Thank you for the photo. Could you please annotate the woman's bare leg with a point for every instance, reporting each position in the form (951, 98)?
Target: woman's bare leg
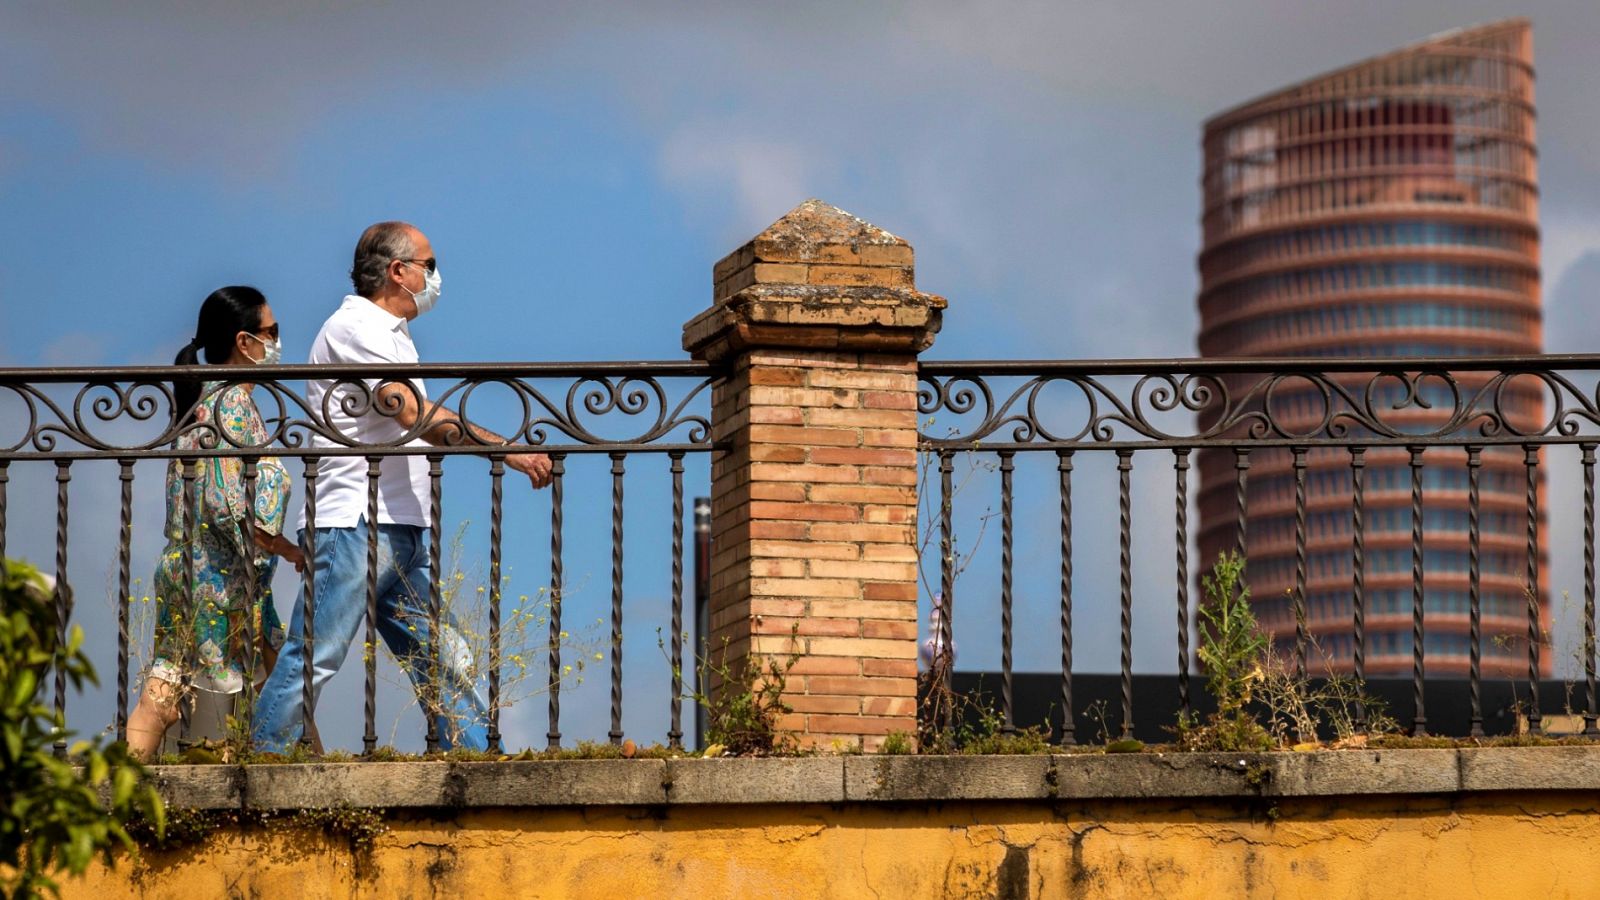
(148, 724)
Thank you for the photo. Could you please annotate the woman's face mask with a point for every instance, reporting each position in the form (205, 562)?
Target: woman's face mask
(271, 351)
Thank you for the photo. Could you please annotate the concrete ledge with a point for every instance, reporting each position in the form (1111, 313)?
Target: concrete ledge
(873, 778)
(575, 782)
(197, 787)
(879, 779)
(1151, 776)
(1366, 772)
(318, 784)
(1530, 769)
(819, 779)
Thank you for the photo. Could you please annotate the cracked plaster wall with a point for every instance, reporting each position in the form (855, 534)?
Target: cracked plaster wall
(1510, 845)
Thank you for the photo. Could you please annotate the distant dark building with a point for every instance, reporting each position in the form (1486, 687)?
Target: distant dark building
(1385, 209)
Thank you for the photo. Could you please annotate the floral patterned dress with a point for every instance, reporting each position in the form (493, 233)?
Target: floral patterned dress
(203, 634)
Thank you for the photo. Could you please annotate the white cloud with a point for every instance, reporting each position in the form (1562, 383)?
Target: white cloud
(764, 178)
(1566, 238)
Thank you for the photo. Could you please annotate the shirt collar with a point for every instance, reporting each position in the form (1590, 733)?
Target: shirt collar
(374, 314)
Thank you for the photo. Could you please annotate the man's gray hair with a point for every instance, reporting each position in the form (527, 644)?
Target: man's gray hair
(379, 245)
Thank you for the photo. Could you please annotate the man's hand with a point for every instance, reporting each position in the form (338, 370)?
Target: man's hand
(534, 465)
(448, 430)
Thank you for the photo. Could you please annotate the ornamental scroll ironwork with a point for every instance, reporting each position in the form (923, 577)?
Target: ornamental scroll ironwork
(1182, 402)
(97, 412)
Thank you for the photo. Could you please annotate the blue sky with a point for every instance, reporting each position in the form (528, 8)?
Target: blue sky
(579, 172)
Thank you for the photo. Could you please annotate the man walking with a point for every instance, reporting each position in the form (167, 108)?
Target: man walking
(396, 278)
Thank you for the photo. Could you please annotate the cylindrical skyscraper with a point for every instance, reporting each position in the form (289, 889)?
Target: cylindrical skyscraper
(1384, 209)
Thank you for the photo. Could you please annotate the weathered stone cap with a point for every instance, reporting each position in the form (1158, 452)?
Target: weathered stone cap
(882, 779)
(805, 233)
(818, 278)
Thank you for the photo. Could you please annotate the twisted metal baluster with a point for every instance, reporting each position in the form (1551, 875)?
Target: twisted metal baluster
(308, 540)
(1068, 718)
(1475, 591)
(675, 730)
(947, 578)
(616, 597)
(1419, 721)
(1358, 544)
(1181, 466)
(1008, 724)
(1530, 460)
(1299, 598)
(1589, 713)
(190, 587)
(251, 575)
(124, 585)
(435, 702)
(5, 478)
(497, 471)
(1125, 518)
(1241, 466)
(558, 468)
(369, 657)
(63, 601)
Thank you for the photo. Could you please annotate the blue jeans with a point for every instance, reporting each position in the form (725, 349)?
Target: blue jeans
(341, 603)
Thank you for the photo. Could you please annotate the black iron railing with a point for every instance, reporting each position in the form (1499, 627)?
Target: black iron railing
(1469, 429)
(72, 418)
(1330, 473)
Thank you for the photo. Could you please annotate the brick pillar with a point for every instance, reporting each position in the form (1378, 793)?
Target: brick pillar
(814, 503)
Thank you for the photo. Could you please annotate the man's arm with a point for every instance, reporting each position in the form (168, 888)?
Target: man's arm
(446, 429)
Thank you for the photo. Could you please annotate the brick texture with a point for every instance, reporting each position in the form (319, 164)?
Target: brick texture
(814, 500)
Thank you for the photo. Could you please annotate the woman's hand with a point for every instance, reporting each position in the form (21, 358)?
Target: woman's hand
(278, 545)
(292, 552)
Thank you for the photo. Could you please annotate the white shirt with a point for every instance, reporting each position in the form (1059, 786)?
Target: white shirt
(360, 331)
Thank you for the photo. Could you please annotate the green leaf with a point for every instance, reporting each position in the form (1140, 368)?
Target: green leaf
(53, 818)
(22, 689)
(81, 850)
(158, 811)
(122, 785)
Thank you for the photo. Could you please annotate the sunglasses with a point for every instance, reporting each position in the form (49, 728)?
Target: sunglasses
(270, 332)
(430, 263)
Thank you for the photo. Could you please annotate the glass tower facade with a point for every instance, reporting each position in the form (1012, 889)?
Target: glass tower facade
(1389, 208)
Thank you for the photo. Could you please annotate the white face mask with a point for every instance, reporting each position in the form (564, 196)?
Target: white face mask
(271, 352)
(428, 297)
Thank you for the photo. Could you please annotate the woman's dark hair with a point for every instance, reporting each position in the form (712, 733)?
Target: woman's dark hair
(223, 315)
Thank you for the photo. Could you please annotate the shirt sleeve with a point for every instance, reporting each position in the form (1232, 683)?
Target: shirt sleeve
(357, 344)
(240, 421)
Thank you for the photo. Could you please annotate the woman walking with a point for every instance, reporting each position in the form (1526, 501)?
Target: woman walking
(200, 640)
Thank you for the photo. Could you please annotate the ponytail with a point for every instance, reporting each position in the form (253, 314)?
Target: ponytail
(225, 313)
(189, 355)
(186, 391)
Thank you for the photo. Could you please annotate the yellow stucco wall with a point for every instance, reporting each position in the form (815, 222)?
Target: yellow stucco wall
(1544, 845)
